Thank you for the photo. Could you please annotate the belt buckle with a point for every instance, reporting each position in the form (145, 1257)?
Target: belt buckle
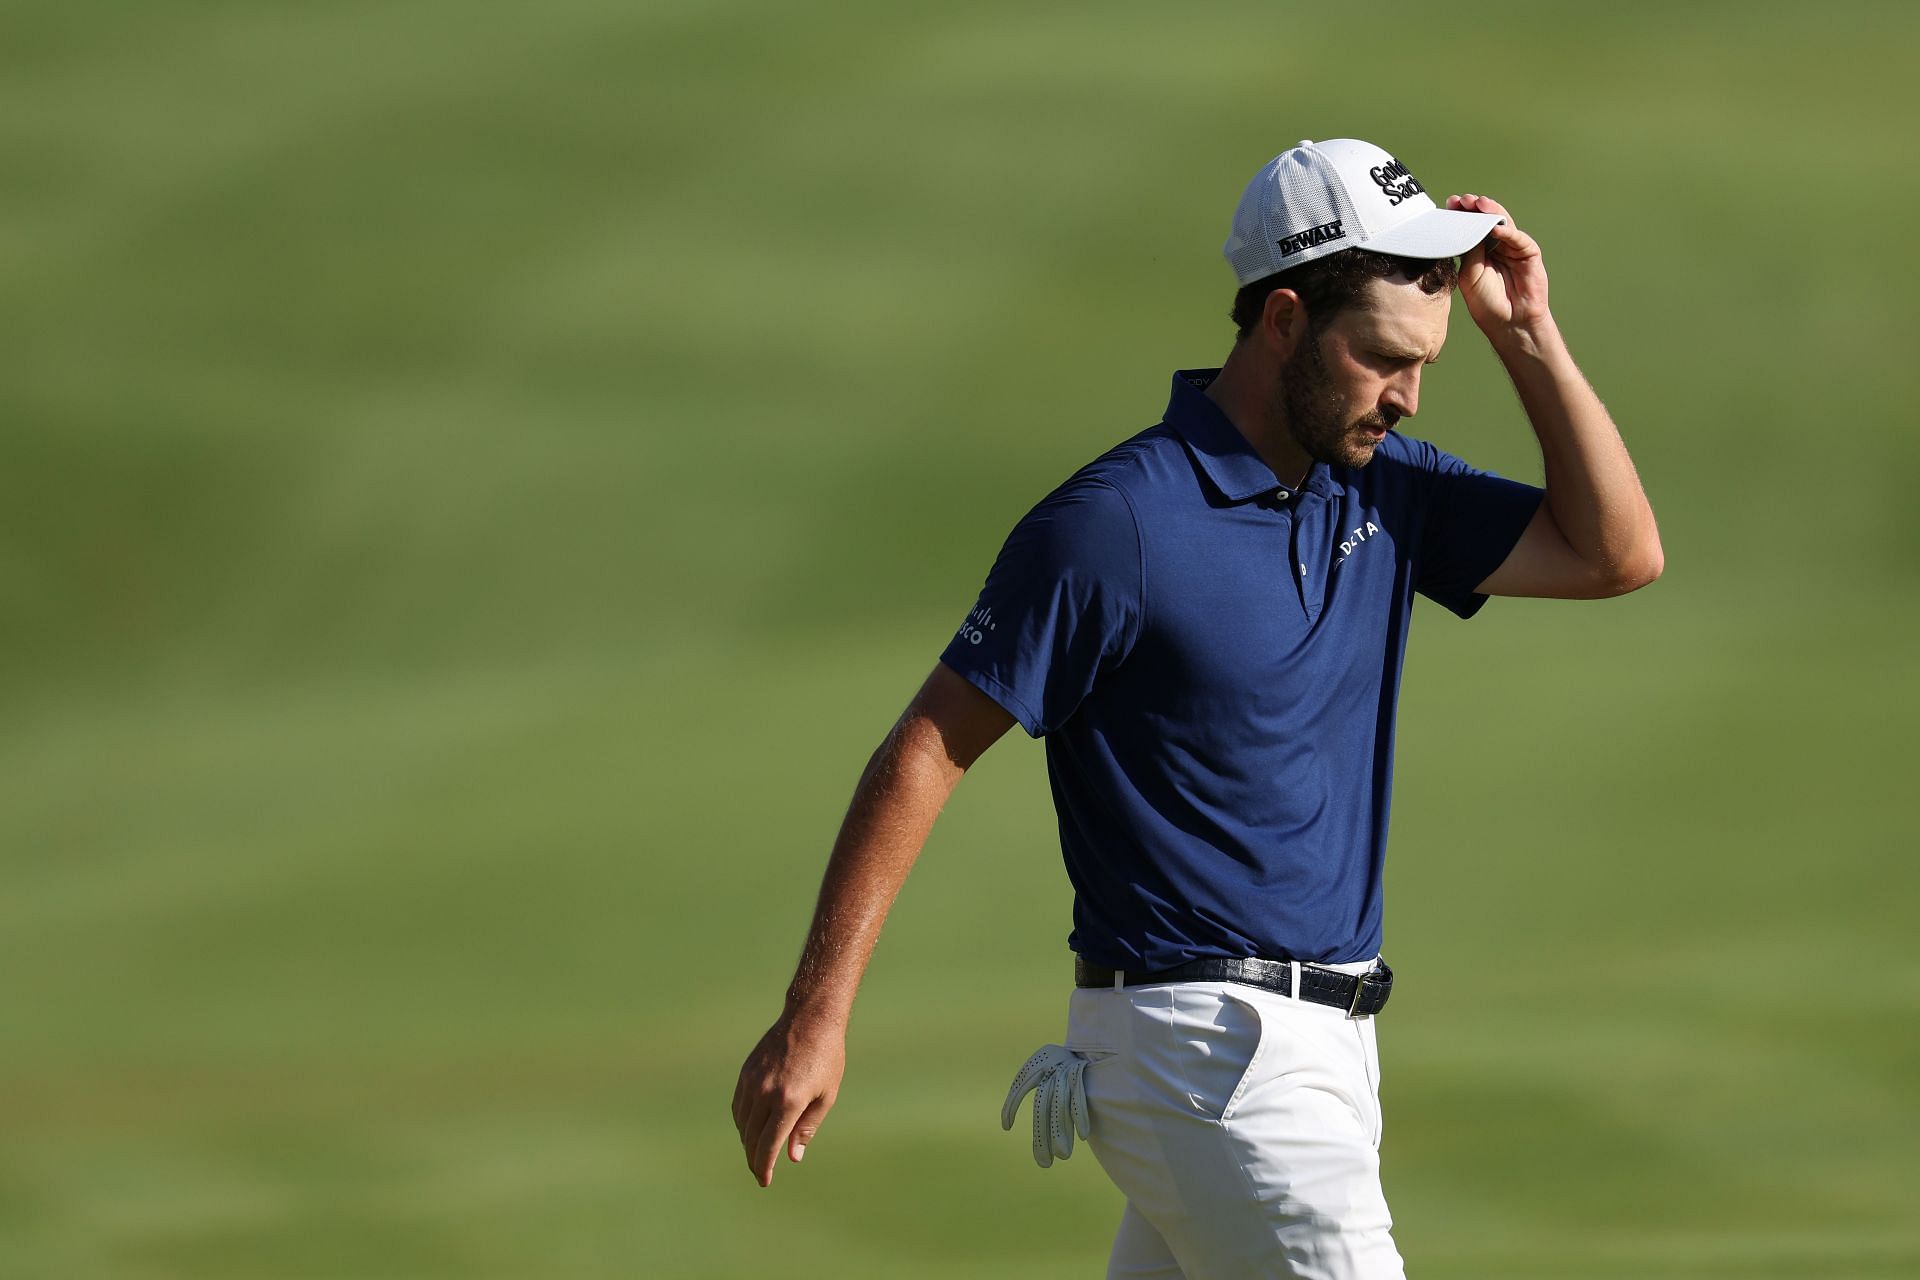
(1359, 994)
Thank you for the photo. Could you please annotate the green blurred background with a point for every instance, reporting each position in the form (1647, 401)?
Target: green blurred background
(477, 480)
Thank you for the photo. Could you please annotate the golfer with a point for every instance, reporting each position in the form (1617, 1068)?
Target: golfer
(1206, 625)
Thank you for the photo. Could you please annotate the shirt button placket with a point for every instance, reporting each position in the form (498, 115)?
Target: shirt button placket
(1310, 606)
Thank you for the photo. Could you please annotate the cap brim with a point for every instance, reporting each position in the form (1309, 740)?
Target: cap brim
(1437, 233)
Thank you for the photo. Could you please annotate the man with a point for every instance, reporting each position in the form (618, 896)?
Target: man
(1206, 624)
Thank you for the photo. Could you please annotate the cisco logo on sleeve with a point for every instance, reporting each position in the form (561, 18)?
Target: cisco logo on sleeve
(978, 623)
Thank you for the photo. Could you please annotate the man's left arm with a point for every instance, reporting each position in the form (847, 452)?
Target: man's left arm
(1594, 534)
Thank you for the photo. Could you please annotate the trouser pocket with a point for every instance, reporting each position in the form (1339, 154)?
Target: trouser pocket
(1196, 1045)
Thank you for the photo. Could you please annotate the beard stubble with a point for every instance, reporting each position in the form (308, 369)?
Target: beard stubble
(1314, 417)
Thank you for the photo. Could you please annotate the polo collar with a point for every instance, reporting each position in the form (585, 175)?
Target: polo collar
(1222, 452)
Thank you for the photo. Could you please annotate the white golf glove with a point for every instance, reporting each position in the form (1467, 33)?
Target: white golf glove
(1060, 1106)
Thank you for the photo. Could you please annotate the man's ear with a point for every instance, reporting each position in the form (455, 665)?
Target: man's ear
(1283, 322)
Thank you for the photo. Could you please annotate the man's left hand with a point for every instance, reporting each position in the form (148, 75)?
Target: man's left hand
(1503, 279)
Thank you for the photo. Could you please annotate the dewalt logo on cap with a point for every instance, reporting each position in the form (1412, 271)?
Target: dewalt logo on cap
(1312, 236)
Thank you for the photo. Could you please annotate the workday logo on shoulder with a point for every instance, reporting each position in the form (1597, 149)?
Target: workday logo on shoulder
(978, 623)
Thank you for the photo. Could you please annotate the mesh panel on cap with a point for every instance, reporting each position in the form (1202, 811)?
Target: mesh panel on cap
(1294, 192)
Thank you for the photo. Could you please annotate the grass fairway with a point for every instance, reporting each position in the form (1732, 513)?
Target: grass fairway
(477, 479)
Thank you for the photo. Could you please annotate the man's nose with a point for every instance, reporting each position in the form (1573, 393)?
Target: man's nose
(1402, 396)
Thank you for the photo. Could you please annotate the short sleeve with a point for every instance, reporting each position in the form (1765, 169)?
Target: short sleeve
(1473, 520)
(1061, 605)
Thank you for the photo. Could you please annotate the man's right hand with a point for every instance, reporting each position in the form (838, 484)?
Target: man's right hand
(792, 1076)
(786, 1088)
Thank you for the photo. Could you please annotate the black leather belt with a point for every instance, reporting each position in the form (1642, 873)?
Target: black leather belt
(1359, 994)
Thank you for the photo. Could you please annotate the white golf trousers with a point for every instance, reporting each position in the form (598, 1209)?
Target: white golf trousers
(1243, 1127)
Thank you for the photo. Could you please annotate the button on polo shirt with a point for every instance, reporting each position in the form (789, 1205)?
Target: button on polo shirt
(1213, 660)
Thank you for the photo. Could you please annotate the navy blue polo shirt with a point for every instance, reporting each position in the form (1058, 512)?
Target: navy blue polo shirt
(1213, 661)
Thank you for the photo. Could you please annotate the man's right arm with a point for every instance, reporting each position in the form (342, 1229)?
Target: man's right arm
(791, 1078)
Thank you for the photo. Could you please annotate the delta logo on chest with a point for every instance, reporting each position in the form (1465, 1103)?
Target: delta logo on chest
(1355, 539)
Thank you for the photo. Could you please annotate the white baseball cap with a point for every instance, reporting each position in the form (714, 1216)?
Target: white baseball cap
(1322, 197)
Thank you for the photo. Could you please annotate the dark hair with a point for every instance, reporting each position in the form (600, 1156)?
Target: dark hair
(1329, 285)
